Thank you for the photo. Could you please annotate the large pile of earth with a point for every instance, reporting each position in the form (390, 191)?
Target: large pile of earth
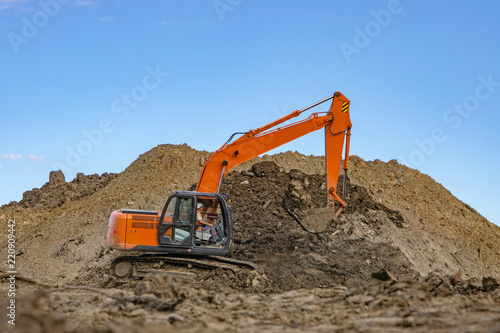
(292, 257)
(405, 253)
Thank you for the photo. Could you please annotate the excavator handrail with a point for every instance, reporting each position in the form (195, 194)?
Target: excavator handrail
(250, 134)
(256, 142)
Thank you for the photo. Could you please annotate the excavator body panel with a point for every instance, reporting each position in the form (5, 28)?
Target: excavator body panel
(130, 227)
(190, 223)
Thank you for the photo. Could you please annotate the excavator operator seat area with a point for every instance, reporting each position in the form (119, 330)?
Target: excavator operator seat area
(191, 219)
(210, 226)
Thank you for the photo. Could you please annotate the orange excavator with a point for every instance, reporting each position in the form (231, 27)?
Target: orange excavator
(198, 223)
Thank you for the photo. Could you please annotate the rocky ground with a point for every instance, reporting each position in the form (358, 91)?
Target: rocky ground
(405, 255)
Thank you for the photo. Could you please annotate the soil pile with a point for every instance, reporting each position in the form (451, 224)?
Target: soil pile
(56, 243)
(405, 253)
(442, 233)
(56, 191)
(292, 257)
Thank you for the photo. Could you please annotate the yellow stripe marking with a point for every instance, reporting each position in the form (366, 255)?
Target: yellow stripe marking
(345, 107)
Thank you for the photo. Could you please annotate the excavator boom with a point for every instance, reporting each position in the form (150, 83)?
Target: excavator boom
(336, 124)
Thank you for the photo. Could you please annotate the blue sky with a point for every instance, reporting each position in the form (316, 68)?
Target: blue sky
(88, 86)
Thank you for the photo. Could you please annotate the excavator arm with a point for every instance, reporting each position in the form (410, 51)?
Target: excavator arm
(336, 124)
(176, 229)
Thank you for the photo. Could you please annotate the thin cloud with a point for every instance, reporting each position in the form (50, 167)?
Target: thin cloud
(107, 19)
(35, 158)
(84, 3)
(6, 4)
(12, 156)
(1, 165)
(28, 168)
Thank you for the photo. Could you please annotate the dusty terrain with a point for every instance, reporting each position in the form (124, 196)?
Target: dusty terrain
(405, 255)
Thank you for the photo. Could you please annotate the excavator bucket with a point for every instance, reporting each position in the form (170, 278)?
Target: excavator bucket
(337, 132)
(314, 220)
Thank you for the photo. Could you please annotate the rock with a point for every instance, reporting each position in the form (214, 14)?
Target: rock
(160, 285)
(138, 313)
(56, 191)
(383, 275)
(490, 284)
(296, 174)
(359, 299)
(265, 168)
(56, 178)
(443, 290)
(173, 317)
(474, 284)
(80, 177)
(457, 277)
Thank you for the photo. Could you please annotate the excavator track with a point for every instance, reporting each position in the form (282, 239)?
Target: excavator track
(127, 266)
(237, 262)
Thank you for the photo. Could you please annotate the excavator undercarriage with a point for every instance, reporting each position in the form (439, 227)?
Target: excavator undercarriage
(138, 266)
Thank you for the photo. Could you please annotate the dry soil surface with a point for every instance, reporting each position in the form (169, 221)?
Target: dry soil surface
(406, 255)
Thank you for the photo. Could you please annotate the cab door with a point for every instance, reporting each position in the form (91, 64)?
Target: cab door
(177, 222)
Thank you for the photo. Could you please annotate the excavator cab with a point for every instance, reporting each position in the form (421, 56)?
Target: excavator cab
(196, 223)
(180, 228)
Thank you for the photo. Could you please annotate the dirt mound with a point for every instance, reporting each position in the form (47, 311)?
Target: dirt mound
(56, 191)
(293, 258)
(58, 244)
(438, 257)
(441, 234)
